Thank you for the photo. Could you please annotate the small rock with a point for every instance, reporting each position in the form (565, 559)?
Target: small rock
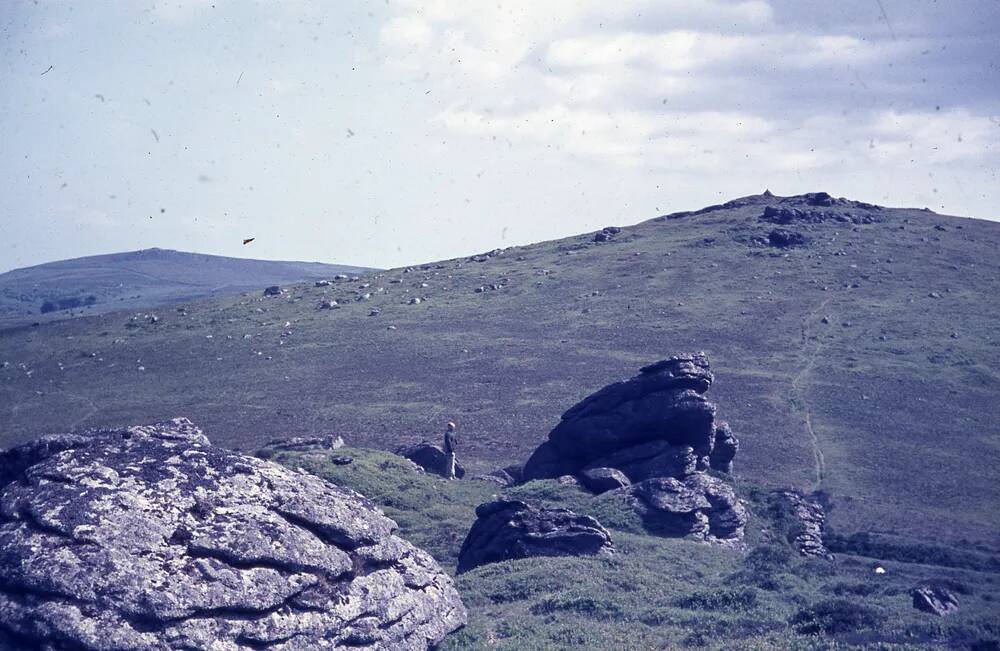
(430, 457)
(935, 600)
(600, 480)
(273, 290)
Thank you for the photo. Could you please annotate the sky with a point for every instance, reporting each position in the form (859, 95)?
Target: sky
(394, 132)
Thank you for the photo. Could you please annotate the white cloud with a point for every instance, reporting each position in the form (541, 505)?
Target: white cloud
(682, 51)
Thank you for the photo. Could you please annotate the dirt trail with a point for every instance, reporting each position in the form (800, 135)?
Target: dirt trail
(799, 393)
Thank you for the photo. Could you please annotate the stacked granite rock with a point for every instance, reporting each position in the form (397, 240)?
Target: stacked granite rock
(149, 538)
(652, 439)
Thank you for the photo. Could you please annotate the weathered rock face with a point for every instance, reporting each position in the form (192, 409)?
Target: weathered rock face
(511, 529)
(700, 507)
(663, 406)
(648, 429)
(430, 457)
(725, 449)
(656, 424)
(934, 599)
(150, 538)
(808, 526)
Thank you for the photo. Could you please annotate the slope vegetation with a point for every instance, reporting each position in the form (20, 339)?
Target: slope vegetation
(856, 350)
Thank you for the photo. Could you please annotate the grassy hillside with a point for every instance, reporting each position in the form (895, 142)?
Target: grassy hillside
(658, 593)
(138, 279)
(865, 364)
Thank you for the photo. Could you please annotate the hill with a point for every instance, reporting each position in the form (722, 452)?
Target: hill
(139, 280)
(856, 350)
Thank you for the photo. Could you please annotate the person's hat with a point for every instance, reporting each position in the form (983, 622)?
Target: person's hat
(451, 425)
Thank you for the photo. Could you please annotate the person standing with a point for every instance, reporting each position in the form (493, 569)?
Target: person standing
(450, 445)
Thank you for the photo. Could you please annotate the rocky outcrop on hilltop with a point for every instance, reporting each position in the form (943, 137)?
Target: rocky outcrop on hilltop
(151, 538)
(654, 427)
(510, 529)
(820, 207)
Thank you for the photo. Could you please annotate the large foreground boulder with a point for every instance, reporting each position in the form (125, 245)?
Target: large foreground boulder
(149, 538)
(511, 529)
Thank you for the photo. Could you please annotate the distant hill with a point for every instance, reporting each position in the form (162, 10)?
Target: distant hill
(856, 351)
(139, 280)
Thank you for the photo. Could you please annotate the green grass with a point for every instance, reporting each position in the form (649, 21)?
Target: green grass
(657, 593)
(903, 413)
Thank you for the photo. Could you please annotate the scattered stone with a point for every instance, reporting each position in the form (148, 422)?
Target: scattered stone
(340, 277)
(341, 460)
(430, 457)
(509, 476)
(601, 480)
(568, 480)
(300, 444)
(512, 529)
(273, 290)
(329, 305)
(322, 283)
(935, 600)
(808, 526)
(415, 301)
(149, 538)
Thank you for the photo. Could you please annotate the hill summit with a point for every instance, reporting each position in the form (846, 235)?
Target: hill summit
(139, 279)
(856, 346)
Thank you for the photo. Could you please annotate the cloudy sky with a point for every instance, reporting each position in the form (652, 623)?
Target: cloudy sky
(396, 131)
